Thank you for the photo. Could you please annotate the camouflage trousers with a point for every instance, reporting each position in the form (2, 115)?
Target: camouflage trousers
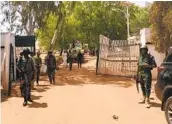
(146, 82)
(51, 74)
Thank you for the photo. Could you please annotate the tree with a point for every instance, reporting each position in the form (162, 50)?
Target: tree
(28, 14)
(161, 26)
(85, 21)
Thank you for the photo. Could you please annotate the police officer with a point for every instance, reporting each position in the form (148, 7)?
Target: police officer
(146, 64)
(38, 63)
(20, 67)
(51, 66)
(28, 70)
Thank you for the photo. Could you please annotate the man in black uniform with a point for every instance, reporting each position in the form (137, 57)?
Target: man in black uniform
(51, 66)
(28, 70)
(79, 59)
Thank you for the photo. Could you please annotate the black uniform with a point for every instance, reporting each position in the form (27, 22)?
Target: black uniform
(79, 59)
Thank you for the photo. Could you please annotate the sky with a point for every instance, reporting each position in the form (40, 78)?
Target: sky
(142, 3)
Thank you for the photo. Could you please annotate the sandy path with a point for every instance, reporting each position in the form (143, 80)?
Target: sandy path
(82, 99)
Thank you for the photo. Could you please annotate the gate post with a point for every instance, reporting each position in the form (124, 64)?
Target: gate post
(97, 62)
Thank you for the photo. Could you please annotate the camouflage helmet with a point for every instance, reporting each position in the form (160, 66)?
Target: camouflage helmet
(144, 47)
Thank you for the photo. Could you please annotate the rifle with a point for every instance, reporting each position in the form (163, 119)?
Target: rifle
(137, 79)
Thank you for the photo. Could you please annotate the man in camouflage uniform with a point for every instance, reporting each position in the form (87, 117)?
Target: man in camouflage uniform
(28, 70)
(51, 66)
(146, 64)
(38, 63)
(20, 66)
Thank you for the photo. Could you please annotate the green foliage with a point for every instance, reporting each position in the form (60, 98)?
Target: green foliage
(90, 19)
(83, 21)
(161, 25)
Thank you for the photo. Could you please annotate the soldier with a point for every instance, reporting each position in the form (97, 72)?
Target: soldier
(20, 66)
(79, 59)
(28, 75)
(38, 63)
(70, 60)
(146, 64)
(51, 66)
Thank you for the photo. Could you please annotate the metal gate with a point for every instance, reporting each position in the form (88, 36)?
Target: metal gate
(117, 57)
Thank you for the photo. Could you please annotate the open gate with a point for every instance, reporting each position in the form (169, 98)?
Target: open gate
(117, 57)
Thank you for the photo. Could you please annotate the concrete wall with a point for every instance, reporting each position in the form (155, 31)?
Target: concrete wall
(6, 40)
(159, 57)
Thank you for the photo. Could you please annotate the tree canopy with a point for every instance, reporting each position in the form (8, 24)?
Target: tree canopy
(58, 23)
(161, 25)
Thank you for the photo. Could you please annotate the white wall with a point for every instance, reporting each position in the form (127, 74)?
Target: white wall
(159, 57)
(6, 39)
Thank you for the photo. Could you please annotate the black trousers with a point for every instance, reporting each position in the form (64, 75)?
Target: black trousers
(79, 63)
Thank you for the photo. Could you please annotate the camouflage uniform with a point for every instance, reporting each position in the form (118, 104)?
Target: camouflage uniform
(29, 69)
(51, 67)
(38, 63)
(145, 73)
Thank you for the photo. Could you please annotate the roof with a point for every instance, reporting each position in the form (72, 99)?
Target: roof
(25, 41)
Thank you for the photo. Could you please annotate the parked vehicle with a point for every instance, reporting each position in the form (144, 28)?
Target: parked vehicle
(163, 87)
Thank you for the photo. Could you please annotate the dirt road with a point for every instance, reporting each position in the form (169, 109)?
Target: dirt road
(81, 97)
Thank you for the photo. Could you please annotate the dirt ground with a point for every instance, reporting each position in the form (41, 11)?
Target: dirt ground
(81, 97)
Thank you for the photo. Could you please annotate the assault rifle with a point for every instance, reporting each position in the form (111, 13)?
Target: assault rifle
(137, 79)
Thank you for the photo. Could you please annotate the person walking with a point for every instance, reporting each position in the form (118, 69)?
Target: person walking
(70, 60)
(28, 71)
(38, 63)
(65, 59)
(79, 59)
(146, 64)
(51, 66)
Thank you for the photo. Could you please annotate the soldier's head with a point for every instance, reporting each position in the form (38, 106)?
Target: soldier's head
(144, 50)
(38, 53)
(50, 52)
(26, 52)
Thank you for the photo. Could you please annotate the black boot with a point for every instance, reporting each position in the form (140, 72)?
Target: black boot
(25, 103)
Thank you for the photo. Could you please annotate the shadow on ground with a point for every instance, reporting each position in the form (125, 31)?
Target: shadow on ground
(15, 92)
(154, 104)
(88, 76)
(37, 105)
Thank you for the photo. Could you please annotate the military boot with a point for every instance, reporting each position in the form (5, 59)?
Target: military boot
(25, 103)
(142, 101)
(147, 104)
